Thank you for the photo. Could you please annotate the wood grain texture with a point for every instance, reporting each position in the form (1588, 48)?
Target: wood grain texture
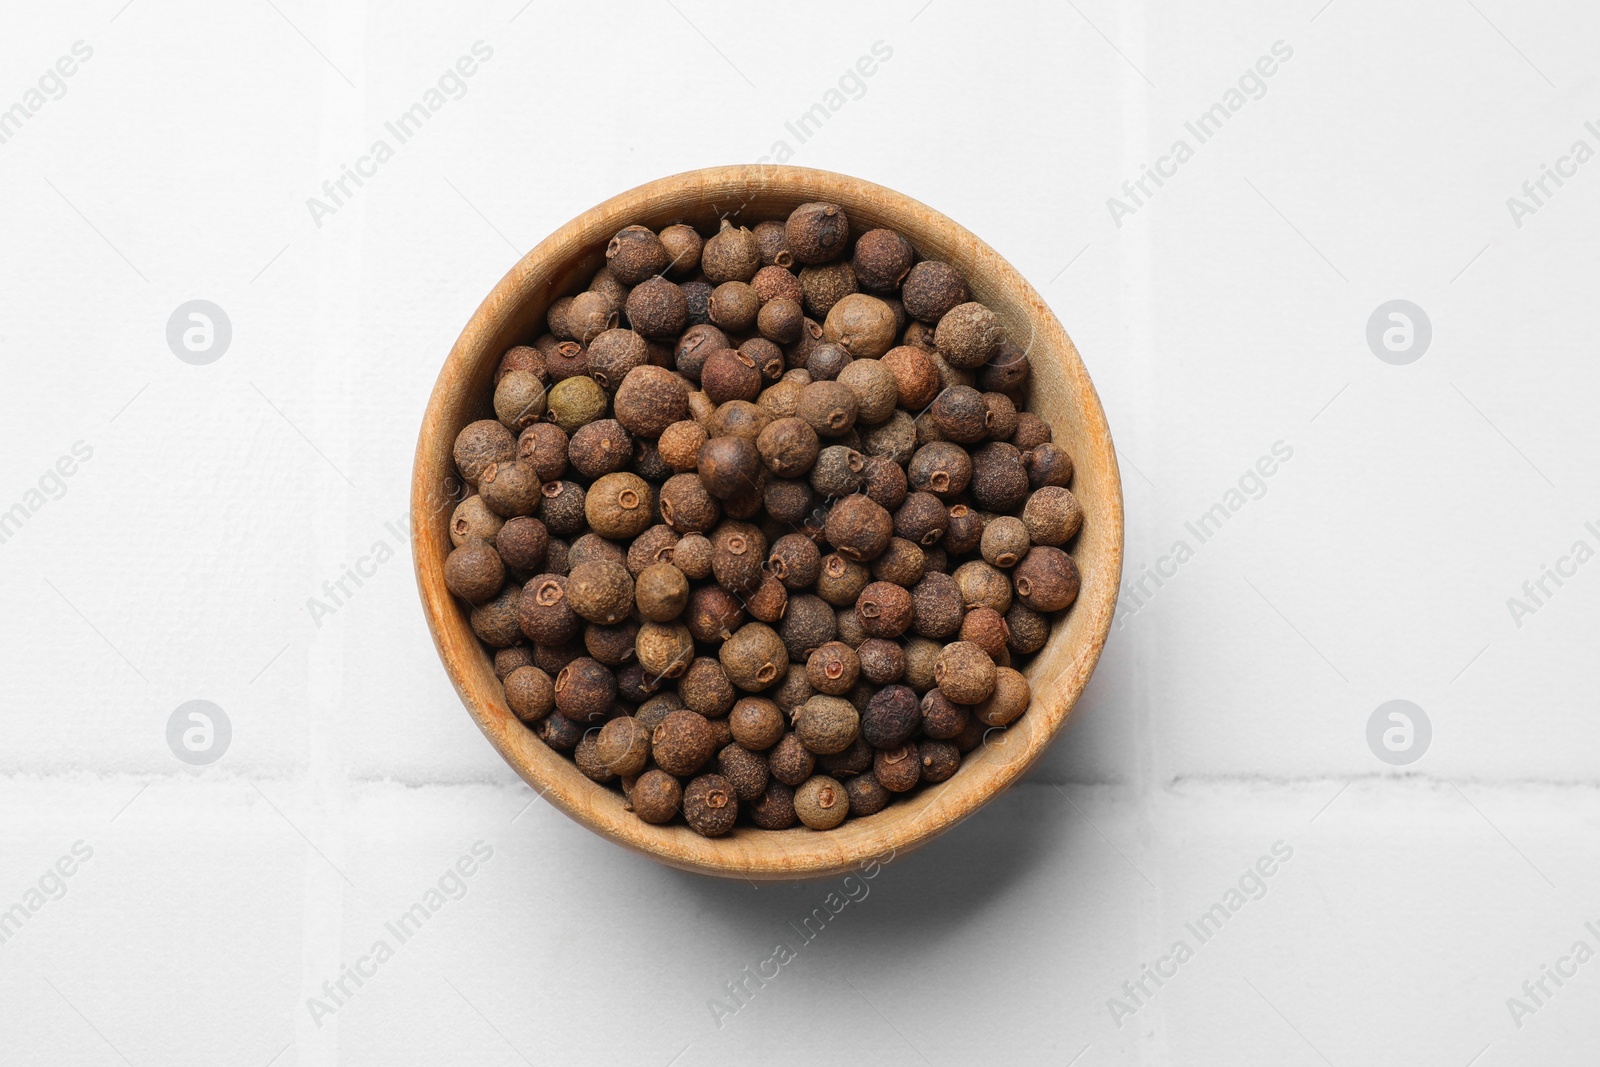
(1062, 393)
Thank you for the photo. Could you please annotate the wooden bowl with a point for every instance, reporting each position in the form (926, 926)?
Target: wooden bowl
(1062, 393)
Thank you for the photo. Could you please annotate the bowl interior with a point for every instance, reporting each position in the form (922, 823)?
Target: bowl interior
(1062, 394)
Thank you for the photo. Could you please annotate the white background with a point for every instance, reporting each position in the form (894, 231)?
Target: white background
(1229, 712)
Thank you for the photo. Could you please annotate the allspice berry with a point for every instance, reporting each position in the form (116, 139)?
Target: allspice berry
(916, 376)
(999, 479)
(892, 717)
(965, 673)
(968, 335)
(776, 283)
(588, 316)
(874, 387)
(634, 254)
(1046, 579)
(661, 592)
(902, 563)
(826, 361)
(737, 553)
(756, 722)
(1027, 630)
(623, 746)
(943, 718)
(788, 446)
(706, 689)
(1052, 515)
(731, 256)
(544, 445)
(600, 447)
(961, 415)
(665, 649)
(695, 347)
(472, 518)
(774, 809)
(683, 246)
(781, 319)
(481, 445)
(986, 628)
(862, 325)
(474, 571)
(561, 507)
(898, 768)
(522, 544)
(838, 471)
(585, 689)
(1032, 431)
(829, 408)
(940, 760)
(882, 661)
(693, 554)
(790, 761)
(687, 508)
(824, 286)
(656, 797)
(965, 531)
(808, 625)
(1005, 541)
(941, 468)
(931, 289)
(858, 528)
(618, 506)
(713, 614)
(519, 400)
(841, 580)
(530, 693)
(1008, 701)
(936, 607)
(682, 743)
(983, 585)
(922, 519)
(795, 561)
(745, 770)
(774, 244)
(560, 732)
(680, 445)
(827, 724)
(734, 306)
(817, 232)
(885, 610)
(867, 795)
(730, 374)
(833, 669)
(1047, 464)
(510, 488)
(881, 260)
(754, 657)
(710, 806)
(821, 803)
(600, 591)
(575, 401)
(729, 466)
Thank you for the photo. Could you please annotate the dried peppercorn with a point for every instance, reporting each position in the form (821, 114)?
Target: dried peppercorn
(730, 374)
(838, 471)
(661, 592)
(575, 401)
(891, 718)
(940, 760)
(737, 553)
(507, 660)
(873, 385)
(544, 446)
(774, 282)
(793, 691)
(850, 631)
(522, 544)
(774, 809)
(922, 519)
(588, 316)
(570, 359)
(961, 415)
(922, 655)
(884, 481)
(841, 580)
(902, 563)
(847, 764)
(634, 254)
(1008, 701)
(983, 585)
(618, 505)
(826, 361)
(942, 468)
(591, 548)
(965, 531)
(829, 408)
(788, 501)
(781, 319)
(1002, 416)
(600, 447)
(650, 399)
(968, 335)
(734, 306)
(769, 602)
(635, 684)
(655, 545)
(1032, 431)
(679, 445)
(687, 507)
(713, 614)
(808, 625)
(543, 613)
(862, 325)
(692, 555)
(559, 732)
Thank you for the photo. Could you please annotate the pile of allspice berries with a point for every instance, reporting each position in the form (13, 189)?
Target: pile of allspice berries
(762, 528)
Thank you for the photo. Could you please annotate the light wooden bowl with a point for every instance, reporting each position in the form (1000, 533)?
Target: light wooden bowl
(1062, 393)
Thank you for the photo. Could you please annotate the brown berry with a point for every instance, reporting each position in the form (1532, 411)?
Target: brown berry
(682, 743)
(731, 256)
(827, 724)
(683, 246)
(530, 693)
(710, 806)
(474, 572)
(730, 374)
(884, 610)
(728, 466)
(833, 669)
(754, 657)
(817, 232)
(756, 722)
(481, 445)
(623, 746)
(745, 770)
(931, 289)
(881, 260)
(821, 803)
(1046, 579)
(618, 505)
(774, 809)
(656, 797)
(936, 607)
(858, 528)
(1005, 541)
(585, 689)
(862, 325)
(1052, 515)
(790, 761)
(734, 306)
(965, 673)
(634, 254)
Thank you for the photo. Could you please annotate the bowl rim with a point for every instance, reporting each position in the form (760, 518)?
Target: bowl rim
(752, 854)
